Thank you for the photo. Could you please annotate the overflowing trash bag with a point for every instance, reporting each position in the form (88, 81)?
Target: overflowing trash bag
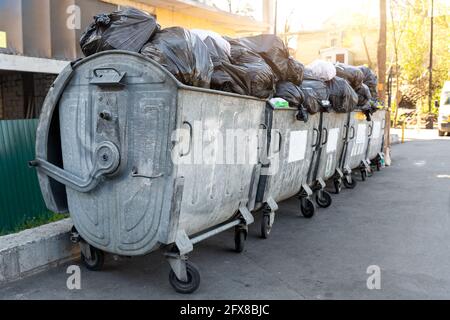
(222, 77)
(276, 54)
(291, 93)
(368, 109)
(183, 54)
(370, 80)
(352, 74)
(312, 101)
(364, 95)
(322, 70)
(247, 73)
(296, 70)
(217, 51)
(316, 94)
(219, 41)
(129, 29)
(342, 97)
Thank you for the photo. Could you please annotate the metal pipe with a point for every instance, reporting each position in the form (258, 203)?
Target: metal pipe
(215, 231)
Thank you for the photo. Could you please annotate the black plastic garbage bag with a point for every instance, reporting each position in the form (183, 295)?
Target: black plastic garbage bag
(291, 93)
(370, 80)
(318, 86)
(364, 95)
(276, 54)
(369, 108)
(316, 95)
(129, 29)
(352, 74)
(296, 70)
(294, 96)
(247, 73)
(342, 97)
(308, 75)
(221, 79)
(183, 54)
(217, 53)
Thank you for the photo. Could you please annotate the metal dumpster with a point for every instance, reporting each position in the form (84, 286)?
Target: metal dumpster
(375, 153)
(292, 144)
(137, 158)
(355, 150)
(325, 162)
(335, 126)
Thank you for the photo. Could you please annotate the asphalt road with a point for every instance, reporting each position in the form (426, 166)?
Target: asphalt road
(397, 220)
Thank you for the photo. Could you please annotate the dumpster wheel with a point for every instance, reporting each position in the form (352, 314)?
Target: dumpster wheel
(378, 164)
(363, 175)
(240, 235)
(350, 185)
(189, 286)
(337, 186)
(266, 227)
(96, 261)
(308, 208)
(323, 199)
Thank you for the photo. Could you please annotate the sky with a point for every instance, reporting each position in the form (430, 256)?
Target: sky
(307, 14)
(311, 14)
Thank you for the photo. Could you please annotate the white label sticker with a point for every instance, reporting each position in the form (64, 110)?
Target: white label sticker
(376, 130)
(332, 140)
(361, 134)
(297, 145)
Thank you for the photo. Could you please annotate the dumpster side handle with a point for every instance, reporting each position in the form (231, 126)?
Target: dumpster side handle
(325, 130)
(107, 161)
(190, 139)
(316, 143)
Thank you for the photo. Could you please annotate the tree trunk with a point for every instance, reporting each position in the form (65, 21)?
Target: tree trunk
(381, 57)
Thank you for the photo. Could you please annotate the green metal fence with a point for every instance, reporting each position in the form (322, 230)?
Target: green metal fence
(20, 196)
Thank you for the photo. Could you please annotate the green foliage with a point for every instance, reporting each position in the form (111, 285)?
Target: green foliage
(36, 222)
(412, 24)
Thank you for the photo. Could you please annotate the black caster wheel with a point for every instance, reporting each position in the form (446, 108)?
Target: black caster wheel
(192, 283)
(337, 186)
(239, 239)
(96, 261)
(364, 175)
(350, 185)
(323, 199)
(266, 228)
(308, 208)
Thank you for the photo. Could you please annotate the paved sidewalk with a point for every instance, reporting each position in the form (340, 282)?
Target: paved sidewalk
(398, 220)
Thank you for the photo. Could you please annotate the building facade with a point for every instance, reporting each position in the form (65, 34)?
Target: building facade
(38, 38)
(341, 39)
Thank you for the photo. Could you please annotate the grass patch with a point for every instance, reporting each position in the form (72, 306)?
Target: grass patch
(35, 222)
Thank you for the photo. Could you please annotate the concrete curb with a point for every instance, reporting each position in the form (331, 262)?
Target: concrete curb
(36, 250)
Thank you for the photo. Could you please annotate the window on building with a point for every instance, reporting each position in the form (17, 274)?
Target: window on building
(333, 42)
(340, 57)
